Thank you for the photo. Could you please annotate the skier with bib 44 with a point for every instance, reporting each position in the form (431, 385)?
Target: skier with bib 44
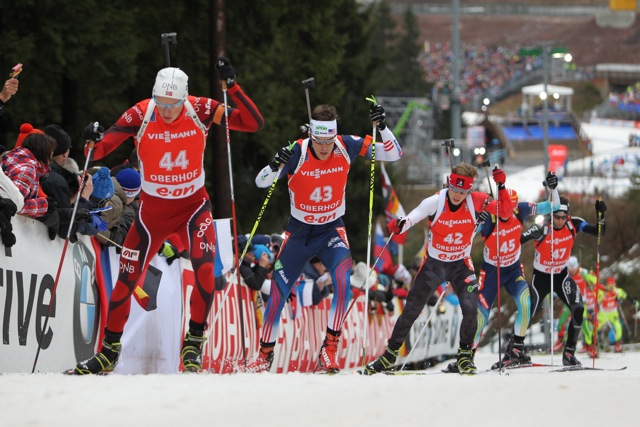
(170, 134)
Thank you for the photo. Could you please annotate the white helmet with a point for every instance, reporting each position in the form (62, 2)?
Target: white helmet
(573, 262)
(171, 83)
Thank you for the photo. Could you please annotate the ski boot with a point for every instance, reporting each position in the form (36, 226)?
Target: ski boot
(385, 361)
(617, 347)
(328, 353)
(103, 362)
(569, 357)
(264, 361)
(192, 351)
(465, 361)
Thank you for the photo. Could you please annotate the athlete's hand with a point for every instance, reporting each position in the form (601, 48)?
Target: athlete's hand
(378, 115)
(93, 132)
(396, 225)
(282, 157)
(551, 180)
(483, 217)
(226, 71)
(499, 177)
(601, 207)
(537, 232)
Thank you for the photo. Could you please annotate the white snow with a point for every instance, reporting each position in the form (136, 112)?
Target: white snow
(522, 397)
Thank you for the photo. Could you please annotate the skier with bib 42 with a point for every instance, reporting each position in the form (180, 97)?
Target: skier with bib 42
(317, 169)
(170, 133)
(454, 214)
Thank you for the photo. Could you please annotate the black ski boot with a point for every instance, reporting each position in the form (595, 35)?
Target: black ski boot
(569, 357)
(103, 362)
(382, 363)
(465, 361)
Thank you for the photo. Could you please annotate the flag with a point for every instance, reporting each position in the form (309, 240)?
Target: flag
(224, 247)
(385, 263)
(393, 208)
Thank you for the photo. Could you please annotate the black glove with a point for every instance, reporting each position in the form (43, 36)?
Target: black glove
(8, 207)
(536, 232)
(483, 217)
(282, 156)
(551, 180)
(8, 238)
(378, 115)
(601, 207)
(52, 205)
(226, 71)
(93, 132)
(82, 215)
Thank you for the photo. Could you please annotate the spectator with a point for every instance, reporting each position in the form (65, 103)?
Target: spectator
(25, 165)
(9, 89)
(64, 185)
(129, 181)
(104, 196)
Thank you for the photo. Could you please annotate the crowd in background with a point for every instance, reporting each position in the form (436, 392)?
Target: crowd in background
(482, 68)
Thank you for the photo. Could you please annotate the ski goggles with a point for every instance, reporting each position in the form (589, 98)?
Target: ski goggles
(560, 217)
(168, 106)
(323, 141)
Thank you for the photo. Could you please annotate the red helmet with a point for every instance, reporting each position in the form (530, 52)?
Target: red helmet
(611, 281)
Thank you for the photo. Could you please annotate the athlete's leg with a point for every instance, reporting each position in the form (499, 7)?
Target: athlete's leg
(292, 257)
(488, 290)
(429, 277)
(464, 283)
(143, 240)
(567, 290)
(201, 235)
(518, 288)
(337, 259)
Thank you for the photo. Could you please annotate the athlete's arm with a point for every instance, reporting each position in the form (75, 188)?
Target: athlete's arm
(389, 149)
(583, 226)
(266, 176)
(125, 127)
(246, 117)
(426, 208)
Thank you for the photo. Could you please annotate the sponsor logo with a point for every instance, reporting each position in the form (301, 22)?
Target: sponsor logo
(167, 136)
(317, 173)
(130, 254)
(86, 307)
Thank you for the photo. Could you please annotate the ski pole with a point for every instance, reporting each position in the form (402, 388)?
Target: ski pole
(448, 144)
(595, 317)
(551, 337)
(235, 220)
(424, 328)
(253, 231)
(499, 283)
(371, 185)
(369, 273)
(307, 84)
(485, 164)
(96, 125)
(168, 38)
